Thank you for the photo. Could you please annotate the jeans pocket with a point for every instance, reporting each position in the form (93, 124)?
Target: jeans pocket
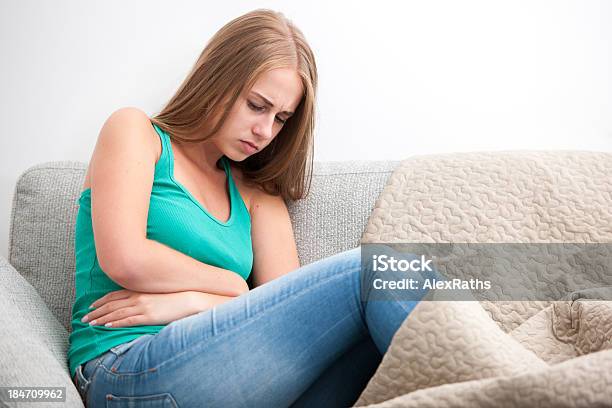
(84, 374)
(164, 400)
(82, 383)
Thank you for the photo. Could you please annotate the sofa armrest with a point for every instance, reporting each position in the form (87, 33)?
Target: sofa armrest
(26, 300)
(33, 344)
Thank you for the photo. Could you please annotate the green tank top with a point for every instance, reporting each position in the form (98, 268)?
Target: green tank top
(175, 219)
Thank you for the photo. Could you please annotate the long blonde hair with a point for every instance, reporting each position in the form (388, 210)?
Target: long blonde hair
(231, 62)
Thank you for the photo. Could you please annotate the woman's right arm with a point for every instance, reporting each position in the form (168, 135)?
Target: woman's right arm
(121, 177)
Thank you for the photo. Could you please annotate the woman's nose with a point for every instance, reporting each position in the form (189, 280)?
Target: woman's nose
(264, 128)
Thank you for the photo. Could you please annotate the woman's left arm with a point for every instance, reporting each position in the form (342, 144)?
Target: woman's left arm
(274, 254)
(274, 249)
(124, 307)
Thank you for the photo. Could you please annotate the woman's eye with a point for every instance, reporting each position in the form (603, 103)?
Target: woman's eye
(256, 108)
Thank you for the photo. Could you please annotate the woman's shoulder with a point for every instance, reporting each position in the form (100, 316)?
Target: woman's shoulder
(130, 115)
(132, 120)
(137, 124)
(128, 131)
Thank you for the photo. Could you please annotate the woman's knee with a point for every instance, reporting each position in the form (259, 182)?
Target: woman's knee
(348, 260)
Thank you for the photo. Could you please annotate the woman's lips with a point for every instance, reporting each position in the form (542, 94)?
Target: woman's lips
(247, 148)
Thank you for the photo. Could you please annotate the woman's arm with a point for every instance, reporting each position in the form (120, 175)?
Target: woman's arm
(123, 308)
(121, 177)
(274, 249)
(158, 268)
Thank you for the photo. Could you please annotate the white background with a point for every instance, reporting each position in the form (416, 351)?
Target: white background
(397, 78)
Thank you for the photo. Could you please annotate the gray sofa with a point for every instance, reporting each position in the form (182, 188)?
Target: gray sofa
(37, 284)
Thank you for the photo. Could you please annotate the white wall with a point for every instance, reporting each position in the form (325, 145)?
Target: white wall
(396, 78)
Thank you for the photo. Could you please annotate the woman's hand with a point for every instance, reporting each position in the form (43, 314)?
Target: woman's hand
(124, 307)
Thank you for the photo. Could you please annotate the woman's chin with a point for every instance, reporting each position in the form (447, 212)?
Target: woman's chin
(238, 156)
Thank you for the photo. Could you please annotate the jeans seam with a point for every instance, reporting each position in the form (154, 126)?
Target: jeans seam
(361, 305)
(226, 333)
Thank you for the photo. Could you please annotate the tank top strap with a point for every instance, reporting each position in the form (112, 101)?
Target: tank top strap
(228, 173)
(238, 204)
(163, 163)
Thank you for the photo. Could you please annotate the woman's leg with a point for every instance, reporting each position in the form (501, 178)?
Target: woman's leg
(264, 348)
(342, 383)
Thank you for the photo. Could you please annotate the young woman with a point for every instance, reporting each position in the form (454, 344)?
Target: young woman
(180, 209)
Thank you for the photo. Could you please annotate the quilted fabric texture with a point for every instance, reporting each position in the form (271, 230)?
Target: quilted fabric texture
(579, 382)
(502, 353)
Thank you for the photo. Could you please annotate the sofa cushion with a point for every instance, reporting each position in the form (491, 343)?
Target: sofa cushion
(41, 237)
(333, 216)
(33, 343)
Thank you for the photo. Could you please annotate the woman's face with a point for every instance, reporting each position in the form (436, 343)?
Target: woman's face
(259, 114)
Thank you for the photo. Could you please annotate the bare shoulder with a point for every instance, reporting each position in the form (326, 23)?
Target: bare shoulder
(137, 120)
(263, 201)
(130, 112)
(125, 127)
(128, 116)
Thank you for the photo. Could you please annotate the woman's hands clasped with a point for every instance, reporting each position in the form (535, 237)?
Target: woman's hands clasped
(124, 308)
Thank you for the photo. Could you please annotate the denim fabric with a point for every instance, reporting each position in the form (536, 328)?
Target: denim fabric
(304, 339)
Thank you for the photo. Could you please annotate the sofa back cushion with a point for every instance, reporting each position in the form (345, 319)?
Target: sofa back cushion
(41, 241)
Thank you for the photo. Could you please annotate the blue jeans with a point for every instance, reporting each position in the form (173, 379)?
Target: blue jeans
(304, 339)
